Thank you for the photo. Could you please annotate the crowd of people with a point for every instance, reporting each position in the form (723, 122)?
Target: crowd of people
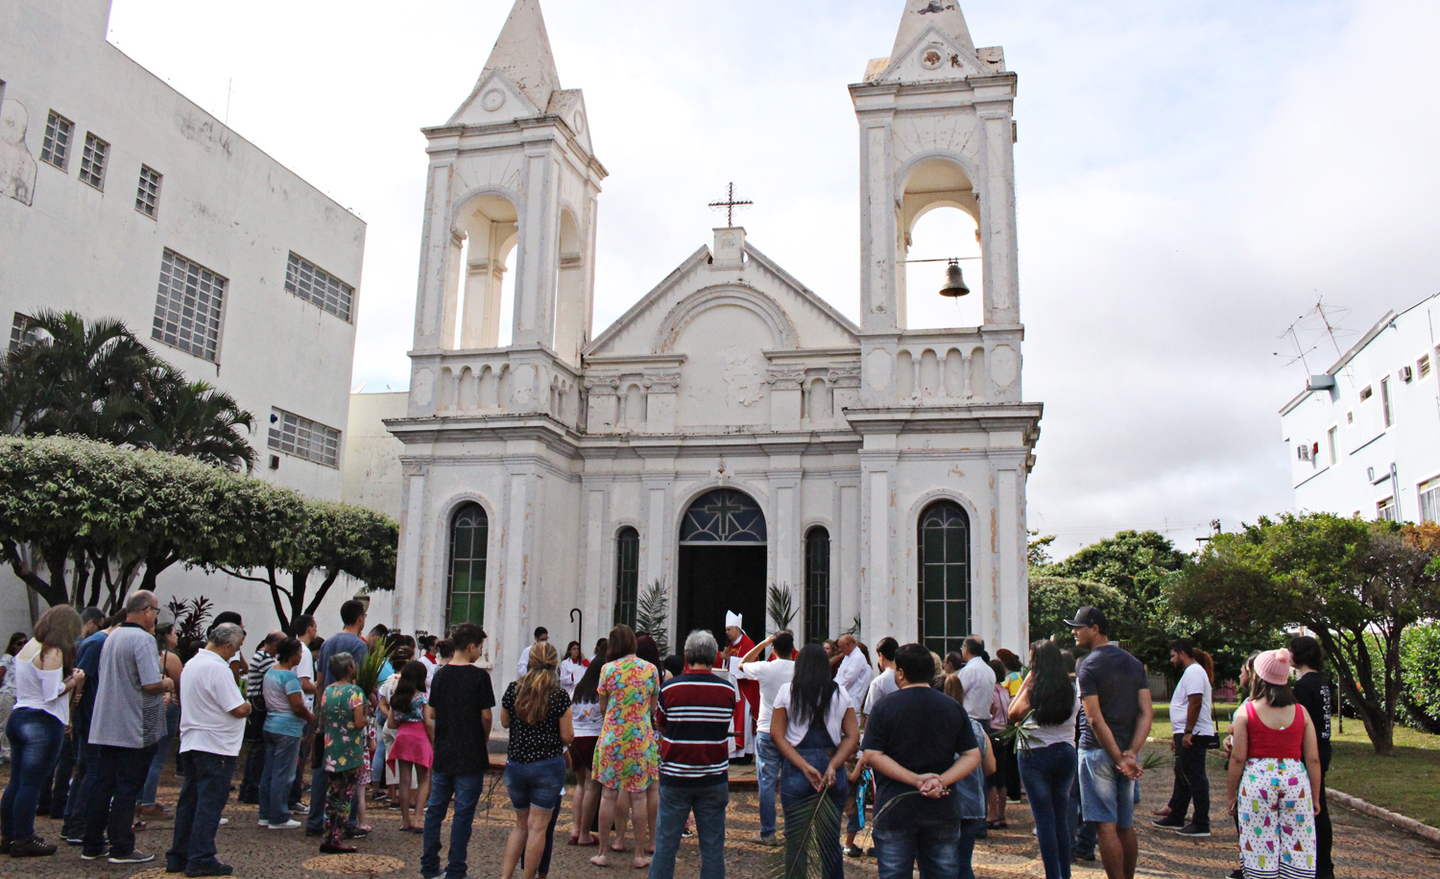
(923, 750)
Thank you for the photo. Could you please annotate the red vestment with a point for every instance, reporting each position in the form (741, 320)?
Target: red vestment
(749, 691)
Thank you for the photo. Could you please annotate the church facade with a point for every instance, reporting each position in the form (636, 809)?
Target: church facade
(731, 432)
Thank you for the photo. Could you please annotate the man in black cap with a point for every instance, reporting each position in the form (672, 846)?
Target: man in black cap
(1115, 693)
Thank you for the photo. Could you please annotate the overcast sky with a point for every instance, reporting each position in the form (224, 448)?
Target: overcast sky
(1190, 175)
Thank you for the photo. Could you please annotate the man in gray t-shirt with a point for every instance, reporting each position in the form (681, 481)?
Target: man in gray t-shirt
(127, 724)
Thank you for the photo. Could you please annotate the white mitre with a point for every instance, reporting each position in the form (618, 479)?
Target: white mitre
(734, 619)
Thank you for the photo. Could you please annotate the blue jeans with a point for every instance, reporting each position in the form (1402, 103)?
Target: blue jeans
(970, 830)
(197, 815)
(933, 845)
(466, 790)
(281, 756)
(677, 801)
(162, 750)
(1106, 795)
(110, 801)
(1048, 775)
(798, 798)
(535, 784)
(34, 747)
(768, 760)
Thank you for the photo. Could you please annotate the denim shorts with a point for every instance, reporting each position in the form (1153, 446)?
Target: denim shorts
(535, 784)
(1106, 795)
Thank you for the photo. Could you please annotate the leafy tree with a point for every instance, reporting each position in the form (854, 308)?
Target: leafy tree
(1053, 600)
(1420, 670)
(1038, 550)
(1350, 581)
(197, 420)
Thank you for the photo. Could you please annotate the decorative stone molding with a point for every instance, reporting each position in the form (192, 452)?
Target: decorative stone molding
(782, 375)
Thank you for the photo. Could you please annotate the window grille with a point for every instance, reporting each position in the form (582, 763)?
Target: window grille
(318, 287)
(22, 331)
(724, 516)
(92, 161)
(55, 146)
(1386, 510)
(188, 308)
(147, 194)
(817, 585)
(303, 438)
(469, 541)
(627, 575)
(1430, 501)
(1424, 364)
(944, 587)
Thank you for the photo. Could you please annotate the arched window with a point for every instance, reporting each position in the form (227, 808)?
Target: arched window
(469, 537)
(817, 585)
(627, 575)
(944, 587)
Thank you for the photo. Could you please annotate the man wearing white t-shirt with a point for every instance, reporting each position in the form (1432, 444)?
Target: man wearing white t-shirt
(884, 683)
(212, 725)
(1193, 725)
(772, 675)
(522, 665)
(853, 675)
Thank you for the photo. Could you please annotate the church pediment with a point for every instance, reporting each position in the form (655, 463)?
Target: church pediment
(932, 56)
(495, 99)
(569, 105)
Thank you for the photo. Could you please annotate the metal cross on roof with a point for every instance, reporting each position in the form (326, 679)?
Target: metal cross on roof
(730, 204)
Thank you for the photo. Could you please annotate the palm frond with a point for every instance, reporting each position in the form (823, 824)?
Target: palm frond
(368, 675)
(1154, 760)
(854, 630)
(814, 819)
(652, 615)
(781, 606)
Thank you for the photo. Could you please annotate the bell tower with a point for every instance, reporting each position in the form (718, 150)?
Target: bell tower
(512, 190)
(935, 130)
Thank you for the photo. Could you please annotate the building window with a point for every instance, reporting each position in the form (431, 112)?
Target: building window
(1430, 501)
(465, 593)
(55, 147)
(147, 194)
(1366, 393)
(318, 287)
(1385, 406)
(627, 575)
(817, 585)
(188, 308)
(92, 161)
(1332, 439)
(724, 516)
(944, 587)
(1386, 510)
(1423, 365)
(303, 438)
(22, 330)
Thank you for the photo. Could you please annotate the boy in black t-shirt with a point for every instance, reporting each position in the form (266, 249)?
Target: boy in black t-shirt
(917, 738)
(462, 698)
(1312, 692)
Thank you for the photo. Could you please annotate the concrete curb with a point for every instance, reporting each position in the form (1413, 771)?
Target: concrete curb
(1409, 825)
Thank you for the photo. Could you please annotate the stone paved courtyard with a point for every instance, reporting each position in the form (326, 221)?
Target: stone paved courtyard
(1365, 848)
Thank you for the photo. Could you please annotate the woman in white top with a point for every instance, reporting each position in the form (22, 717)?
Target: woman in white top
(7, 689)
(572, 667)
(1046, 708)
(44, 677)
(813, 725)
(586, 716)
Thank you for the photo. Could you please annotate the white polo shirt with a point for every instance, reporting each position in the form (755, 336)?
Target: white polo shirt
(979, 682)
(854, 676)
(208, 693)
(772, 676)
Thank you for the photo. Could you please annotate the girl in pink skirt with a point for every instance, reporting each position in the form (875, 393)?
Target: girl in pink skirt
(414, 749)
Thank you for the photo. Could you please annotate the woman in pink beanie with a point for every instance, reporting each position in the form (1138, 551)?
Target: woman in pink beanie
(1274, 783)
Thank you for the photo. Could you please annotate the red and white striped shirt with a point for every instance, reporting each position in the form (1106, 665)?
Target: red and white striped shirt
(695, 712)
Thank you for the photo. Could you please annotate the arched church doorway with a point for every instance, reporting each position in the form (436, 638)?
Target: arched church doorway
(722, 564)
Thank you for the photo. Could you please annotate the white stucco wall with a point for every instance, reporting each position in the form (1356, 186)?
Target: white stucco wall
(223, 204)
(1349, 471)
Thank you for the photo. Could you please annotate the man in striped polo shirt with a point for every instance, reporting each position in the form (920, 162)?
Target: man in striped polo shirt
(695, 711)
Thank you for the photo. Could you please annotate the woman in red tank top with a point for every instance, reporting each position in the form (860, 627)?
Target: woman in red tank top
(1274, 779)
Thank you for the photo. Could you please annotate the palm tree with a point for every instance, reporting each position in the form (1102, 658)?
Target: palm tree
(196, 419)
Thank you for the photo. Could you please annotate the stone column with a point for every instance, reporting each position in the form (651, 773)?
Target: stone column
(539, 251)
(882, 598)
(414, 595)
(518, 580)
(1002, 286)
(785, 537)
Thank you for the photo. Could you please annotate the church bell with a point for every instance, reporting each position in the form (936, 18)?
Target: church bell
(954, 282)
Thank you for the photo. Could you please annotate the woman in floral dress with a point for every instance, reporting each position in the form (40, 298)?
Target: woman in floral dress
(627, 756)
(342, 716)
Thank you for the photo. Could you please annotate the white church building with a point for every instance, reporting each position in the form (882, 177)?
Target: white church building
(732, 431)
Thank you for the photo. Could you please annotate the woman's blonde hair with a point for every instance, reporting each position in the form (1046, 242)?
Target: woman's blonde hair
(954, 689)
(533, 693)
(58, 629)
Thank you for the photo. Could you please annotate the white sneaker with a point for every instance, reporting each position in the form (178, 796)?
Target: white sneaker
(263, 823)
(288, 825)
(224, 821)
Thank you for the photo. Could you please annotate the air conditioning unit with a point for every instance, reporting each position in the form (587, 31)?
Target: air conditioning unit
(1406, 373)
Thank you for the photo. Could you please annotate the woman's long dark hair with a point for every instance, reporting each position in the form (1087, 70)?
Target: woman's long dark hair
(587, 690)
(412, 681)
(812, 688)
(1052, 696)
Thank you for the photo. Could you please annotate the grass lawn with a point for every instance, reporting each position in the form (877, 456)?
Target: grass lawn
(1407, 783)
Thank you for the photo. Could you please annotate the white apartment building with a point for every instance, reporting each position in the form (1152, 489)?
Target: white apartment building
(121, 198)
(1362, 437)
